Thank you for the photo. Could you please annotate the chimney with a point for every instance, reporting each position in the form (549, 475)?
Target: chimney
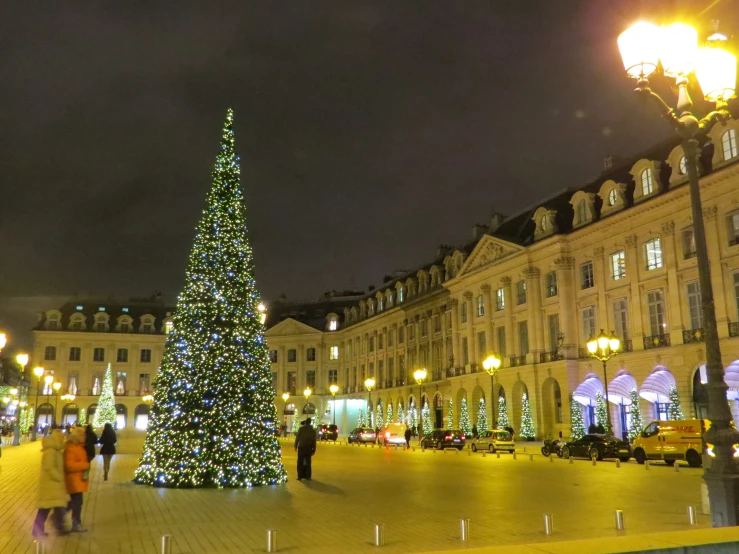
(478, 230)
(496, 220)
(610, 161)
(443, 250)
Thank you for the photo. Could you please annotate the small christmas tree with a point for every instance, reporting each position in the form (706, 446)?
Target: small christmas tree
(636, 423)
(482, 416)
(503, 420)
(360, 419)
(464, 417)
(577, 422)
(316, 419)
(23, 421)
(601, 413)
(389, 418)
(450, 415)
(401, 415)
(31, 417)
(527, 423)
(675, 412)
(426, 420)
(296, 424)
(82, 419)
(369, 417)
(379, 420)
(105, 412)
(413, 416)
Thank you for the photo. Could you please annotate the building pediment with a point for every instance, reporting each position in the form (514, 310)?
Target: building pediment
(488, 252)
(290, 326)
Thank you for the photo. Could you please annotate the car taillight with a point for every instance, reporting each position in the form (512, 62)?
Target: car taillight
(361, 433)
(448, 437)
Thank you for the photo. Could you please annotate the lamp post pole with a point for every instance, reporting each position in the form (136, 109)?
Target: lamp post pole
(676, 51)
(369, 384)
(334, 388)
(491, 364)
(420, 376)
(285, 397)
(56, 386)
(603, 348)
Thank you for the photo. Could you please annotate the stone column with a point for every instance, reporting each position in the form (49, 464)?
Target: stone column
(454, 303)
(471, 343)
(375, 358)
(536, 328)
(281, 365)
(633, 268)
(489, 330)
(674, 314)
(444, 354)
(430, 340)
(568, 307)
(717, 275)
(321, 371)
(417, 330)
(300, 356)
(601, 277)
(508, 316)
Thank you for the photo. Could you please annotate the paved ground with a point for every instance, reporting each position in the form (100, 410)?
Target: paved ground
(420, 497)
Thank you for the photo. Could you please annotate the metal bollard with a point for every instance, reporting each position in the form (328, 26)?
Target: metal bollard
(464, 525)
(166, 544)
(39, 547)
(531, 457)
(271, 540)
(483, 454)
(618, 462)
(551, 458)
(646, 464)
(379, 534)
(620, 520)
(499, 455)
(514, 454)
(594, 463)
(548, 524)
(677, 467)
(691, 515)
(572, 460)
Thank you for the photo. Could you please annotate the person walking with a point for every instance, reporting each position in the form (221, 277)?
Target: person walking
(408, 435)
(52, 492)
(91, 439)
(76, 475)
(107, 440)
(305, 446)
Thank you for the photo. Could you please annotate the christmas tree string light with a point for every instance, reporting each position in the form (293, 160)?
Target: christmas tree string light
(674, 412)
(105, 411)
(482, 416)
(635, 423)
(213, 420)
(503, 420)
(527, 423)
(577, 422)
(464, 417)
(450, 416)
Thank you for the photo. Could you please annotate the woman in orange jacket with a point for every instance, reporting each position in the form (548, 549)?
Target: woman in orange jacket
(76, 475)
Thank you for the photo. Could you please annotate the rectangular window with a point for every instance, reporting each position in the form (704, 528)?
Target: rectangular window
(122, 355)
(73, 381)
(380, 341)
(465, 352)
(618, 265)
(50, 353)
(125, 327)
(694, 305)
(292, 355)
(448, 316)
(401, 334)
(333, 376)
(372, 344)
(333, 353)
(121, 380)
(657, 320)
(274, 380)
(732, 228)
(145, 355)
(380, 372)
(75, 353)
(333, 325)
(98, 354)
(621, 318)
(401, 367)
(390, 338)
(551, 284)
(144, 383)
(310, 379)
(501, 342)
(481, 346)
(523, 337)
(588, 323)
(292, 383)
(688, 237)
(412, 331)
(653, 253)
(521, 292)
(499, 299)
(310, 354)
(273, 356)
(391, 369)
(553, 326)
(97, 382)
(480, 306)
(424, 327)
(586, 275)
(464, 312)
(437, 324)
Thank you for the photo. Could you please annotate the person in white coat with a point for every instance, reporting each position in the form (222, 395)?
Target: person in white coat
(52, 491)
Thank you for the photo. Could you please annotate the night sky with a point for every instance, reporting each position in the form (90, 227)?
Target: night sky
(369, 132)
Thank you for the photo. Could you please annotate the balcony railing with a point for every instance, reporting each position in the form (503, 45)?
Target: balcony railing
(656, 341)
(545, 357)
(582, 353)
(400, 382)
(389, 384)
(693, 335)
(627, 346)
(517, 361)
(436, 375)
(734, 328)
(455, 371)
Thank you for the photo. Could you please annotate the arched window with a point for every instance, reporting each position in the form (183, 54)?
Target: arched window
(141, 417)
(121, 415)
(309, 409)
(582, 211)
(101, 323)
(647, 182)
(728, 141)
(77, 322)
(289, 409)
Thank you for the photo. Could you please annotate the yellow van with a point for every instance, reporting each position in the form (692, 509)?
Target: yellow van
(672, 440)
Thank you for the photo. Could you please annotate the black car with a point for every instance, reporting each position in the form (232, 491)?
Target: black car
(443, 438)
(328, 433)
(597, 447)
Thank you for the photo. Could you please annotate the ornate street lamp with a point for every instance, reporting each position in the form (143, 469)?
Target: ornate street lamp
(334, 389)
(369, 384)
(643, 47)
(491, 364)
(420, 376)
(56, 386)
(604, 348)
(3, 341)
(262, 309)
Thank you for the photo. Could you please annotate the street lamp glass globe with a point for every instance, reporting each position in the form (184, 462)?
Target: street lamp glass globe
(420, 374)
(22, 359)
(57, 385)
(369, 383)
(639, 46)
(614, 343)
(285, 396)
(716, 73)
(593, 346)
(307, 392)
(678, 49)
(38, 371)
(48, 379)
(334, 389)
(602, 341)
(3, 340)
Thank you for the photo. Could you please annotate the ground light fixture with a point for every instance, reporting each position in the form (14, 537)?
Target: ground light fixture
(644, 49)
(603, 348)
(333, 389)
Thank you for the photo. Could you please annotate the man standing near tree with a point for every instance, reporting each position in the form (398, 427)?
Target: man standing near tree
(305, 446)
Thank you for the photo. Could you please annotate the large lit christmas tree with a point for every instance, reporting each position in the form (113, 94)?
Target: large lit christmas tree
(31, 418)
(527, 423)
(577, 422)
(635, 423)
(482, 416)
(464, 417)
(401, 415)
(503, 420)
(450, 416)
(428, 427)
(675, 412)
(213, 418)
(379, 419)
(105, 411)
(601, 413)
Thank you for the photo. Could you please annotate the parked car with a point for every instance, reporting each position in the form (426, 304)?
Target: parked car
(328, 432)
(394, 433)
(498, 439)
(363, 434)
(443, 438)
(673, 440)
(597, 447)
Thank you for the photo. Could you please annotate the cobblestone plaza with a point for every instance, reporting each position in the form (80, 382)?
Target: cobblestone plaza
(419, 496)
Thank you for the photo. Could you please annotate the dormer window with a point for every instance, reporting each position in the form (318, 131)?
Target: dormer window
(612, 197)
(333, 324)
(582, 205)
(168, 326)
(582, 211)
(544, 223)
(728, 144)
(389, 299)
(401, 294)
(77, 322)
(101, 323)
(147, 324)
(647, 182)
(52, 321)
(380, 304)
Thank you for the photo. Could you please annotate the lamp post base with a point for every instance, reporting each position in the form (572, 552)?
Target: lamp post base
(723, 494)
(16, 435)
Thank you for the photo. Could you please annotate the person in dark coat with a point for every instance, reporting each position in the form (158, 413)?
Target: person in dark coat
(592, 429)
(408, 435)
(91, 439)
(305, 446)
(107, 440)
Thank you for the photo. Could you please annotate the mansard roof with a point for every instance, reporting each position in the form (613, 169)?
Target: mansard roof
(135, 309)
